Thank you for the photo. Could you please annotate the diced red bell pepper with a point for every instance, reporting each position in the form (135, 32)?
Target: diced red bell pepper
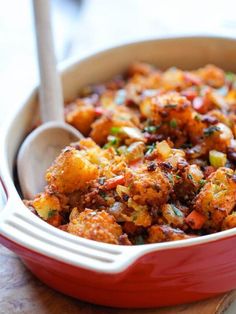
(113, 182)
(195, 220)
(202, 104)
(134, 164)
(189, 94)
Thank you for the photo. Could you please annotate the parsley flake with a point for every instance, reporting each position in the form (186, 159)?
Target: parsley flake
(115, 130)
(170, 106)
(52, 213)
(150, 149)
(190, 177)
(170, 177)
(176, 211)
(102, 193)
(211, 130)
(151, 128)
(173, 124)
(197, 117)
(202, 182)
(230, 76)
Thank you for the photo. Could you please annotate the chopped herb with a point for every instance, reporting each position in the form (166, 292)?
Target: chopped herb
(173, 123)
(187, 145)
(102, 193)
(197, 117)
(170, 177)
(112, 142)
(177, 177)
(101, 180)
(228, 175)
(52, 213)
(211, 130)
(170, 106)
(151, 128)
(139, 240)
(150, 148)
(230, 76)
(202, 182)
(177, 211)
(121, 150)
(115, 130)
(190, 176)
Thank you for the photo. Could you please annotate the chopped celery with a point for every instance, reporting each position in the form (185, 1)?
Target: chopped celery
(217, 159)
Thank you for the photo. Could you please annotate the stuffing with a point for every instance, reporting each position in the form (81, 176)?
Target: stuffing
(158, 161)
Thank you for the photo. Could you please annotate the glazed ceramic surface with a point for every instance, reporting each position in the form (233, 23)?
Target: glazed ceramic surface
(138, 276)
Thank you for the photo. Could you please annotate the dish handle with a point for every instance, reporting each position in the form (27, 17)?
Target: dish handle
(8, 204)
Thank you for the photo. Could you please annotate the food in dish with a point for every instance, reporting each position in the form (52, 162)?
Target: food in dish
(158, 161)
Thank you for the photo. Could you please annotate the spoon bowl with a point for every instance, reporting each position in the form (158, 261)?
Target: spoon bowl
(38, 151)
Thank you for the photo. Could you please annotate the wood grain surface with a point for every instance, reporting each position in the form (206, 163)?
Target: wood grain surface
(21, 292)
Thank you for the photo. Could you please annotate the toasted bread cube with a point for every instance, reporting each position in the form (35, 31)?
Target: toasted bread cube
(218, 197)
(191, 181)
(166, 108)
(70, 172)
(46, 205)
(212, 75)
(218, 137)
(98, 226)
(229, 222)
(171, 113)
(81, 117)
(148, 187)
(119, 117)
(173, 215)
(165, 233)
(87, 143)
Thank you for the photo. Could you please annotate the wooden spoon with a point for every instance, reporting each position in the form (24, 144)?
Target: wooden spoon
(42, 145)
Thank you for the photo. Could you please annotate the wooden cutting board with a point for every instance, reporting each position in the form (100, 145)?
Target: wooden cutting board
(21, 292)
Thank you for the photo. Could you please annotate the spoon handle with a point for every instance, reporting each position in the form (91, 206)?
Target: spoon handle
(51, 97)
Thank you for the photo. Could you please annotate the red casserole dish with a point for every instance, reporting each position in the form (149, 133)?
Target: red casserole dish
(139, 276)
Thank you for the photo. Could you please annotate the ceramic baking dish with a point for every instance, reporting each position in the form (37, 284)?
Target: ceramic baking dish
(138, 276)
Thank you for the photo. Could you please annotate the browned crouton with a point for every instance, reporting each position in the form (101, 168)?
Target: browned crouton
(148, 187)
(46, 205)
(165, 233)
(81, 118)
(121, 116)
(218, 197)
(98, 226)
(212, 75)
(70, 172)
